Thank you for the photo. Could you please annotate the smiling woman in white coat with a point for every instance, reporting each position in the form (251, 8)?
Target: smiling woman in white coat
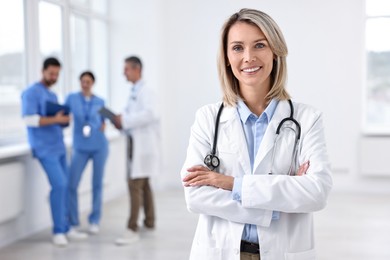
(257, 165)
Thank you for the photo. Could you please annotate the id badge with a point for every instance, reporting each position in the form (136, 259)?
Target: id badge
(86, 130)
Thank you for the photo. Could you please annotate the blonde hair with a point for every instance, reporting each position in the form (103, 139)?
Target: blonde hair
(274, 36)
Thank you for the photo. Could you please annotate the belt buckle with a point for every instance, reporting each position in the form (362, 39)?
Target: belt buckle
(249, 247)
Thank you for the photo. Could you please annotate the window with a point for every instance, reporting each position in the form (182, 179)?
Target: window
(89, 39)
(50, 37)
(100, 6)
(377, 116)
(79, 49)
(100, 60)
(80, 2)
(74, 31)
(12, 72)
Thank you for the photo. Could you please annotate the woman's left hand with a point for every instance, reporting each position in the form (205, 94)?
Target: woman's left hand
(202, 176)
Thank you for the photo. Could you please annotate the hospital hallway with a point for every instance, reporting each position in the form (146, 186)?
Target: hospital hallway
(354, 226)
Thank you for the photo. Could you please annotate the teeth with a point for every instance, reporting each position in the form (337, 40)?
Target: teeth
(251, 69)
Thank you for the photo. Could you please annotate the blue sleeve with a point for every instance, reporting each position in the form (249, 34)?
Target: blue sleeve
(67, 100)
(237, 189)
(30, 103)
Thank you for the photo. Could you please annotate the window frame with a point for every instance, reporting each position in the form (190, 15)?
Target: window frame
(367, 128)
(32, 63)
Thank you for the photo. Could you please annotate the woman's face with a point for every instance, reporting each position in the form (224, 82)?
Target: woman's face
(86, 83)
(249, 55)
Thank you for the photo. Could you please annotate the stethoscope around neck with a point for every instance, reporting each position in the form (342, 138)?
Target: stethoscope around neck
(212, 161)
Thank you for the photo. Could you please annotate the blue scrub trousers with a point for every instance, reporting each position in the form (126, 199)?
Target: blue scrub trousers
(56, 171)
(79, 161)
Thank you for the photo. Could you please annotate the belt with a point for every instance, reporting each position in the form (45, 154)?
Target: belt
(249, 247)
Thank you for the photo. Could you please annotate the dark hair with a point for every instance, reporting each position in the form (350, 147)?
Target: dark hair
(51, 61)
(134, 60)
(87, 73)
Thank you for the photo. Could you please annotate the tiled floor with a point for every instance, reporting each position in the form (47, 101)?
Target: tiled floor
(354, 226)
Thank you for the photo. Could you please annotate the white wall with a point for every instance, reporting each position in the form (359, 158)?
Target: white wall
(325, 62)
(178, 42)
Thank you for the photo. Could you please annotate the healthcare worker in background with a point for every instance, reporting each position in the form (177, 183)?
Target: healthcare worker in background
(47, 144)
(252, 206)
(89, 143)
(141, 123)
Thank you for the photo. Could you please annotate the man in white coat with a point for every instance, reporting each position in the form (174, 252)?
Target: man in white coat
(140, 122)
(255, 189)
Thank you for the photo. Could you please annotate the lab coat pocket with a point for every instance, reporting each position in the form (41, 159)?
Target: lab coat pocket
(305, 255)
(228, 162)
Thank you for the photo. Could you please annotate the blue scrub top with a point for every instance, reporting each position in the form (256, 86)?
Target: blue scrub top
(44, 140)
(86, 112)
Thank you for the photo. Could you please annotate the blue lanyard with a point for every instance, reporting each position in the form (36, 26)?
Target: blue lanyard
(87, 106)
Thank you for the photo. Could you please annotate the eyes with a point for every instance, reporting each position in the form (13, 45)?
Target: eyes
(240, 47)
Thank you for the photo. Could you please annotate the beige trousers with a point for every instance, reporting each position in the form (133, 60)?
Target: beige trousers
(140, 196)
(249, 256)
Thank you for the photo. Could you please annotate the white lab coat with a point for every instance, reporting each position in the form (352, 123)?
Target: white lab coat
(140, 119)
(222, 219)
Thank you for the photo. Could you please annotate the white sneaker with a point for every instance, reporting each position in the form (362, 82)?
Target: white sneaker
(93, 229)
(60, 240)
(74, 234)
(129, 237)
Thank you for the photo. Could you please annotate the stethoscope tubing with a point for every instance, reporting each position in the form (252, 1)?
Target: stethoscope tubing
(212, 155)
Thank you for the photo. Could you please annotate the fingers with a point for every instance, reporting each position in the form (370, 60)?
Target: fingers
(118, 123)
(198, 175)
(198, 168)
(196, 179)
(194, 172)
(61, 112)
(303, 168)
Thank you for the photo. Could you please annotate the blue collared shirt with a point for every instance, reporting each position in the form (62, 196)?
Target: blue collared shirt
(254, 128)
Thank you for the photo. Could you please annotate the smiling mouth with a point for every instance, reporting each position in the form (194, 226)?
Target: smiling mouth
(249, 70)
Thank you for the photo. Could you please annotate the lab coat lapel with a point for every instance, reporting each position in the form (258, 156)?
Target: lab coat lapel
(235, 135)
(282, 111)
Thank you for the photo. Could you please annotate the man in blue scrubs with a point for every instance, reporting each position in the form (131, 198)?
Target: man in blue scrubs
(47, 145)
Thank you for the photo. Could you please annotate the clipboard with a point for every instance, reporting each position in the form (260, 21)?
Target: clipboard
(53, 108)
(107, 113)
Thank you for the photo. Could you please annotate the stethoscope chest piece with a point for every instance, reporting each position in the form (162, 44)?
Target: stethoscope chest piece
(211, 161)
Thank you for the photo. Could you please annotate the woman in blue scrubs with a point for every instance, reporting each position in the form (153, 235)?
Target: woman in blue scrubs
(89, 142)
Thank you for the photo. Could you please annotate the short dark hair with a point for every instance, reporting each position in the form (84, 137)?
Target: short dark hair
(51, 61)
(87, 73)
(134, 60)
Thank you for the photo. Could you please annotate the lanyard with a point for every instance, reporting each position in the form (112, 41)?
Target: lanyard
(87, 106)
